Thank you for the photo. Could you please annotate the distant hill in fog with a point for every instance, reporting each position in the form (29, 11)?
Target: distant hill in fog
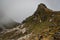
(7, 23)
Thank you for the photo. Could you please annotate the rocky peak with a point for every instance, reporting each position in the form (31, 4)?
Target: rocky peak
(42, 5)
(42, 9)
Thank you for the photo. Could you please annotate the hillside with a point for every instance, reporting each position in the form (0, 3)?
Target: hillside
(44, 24)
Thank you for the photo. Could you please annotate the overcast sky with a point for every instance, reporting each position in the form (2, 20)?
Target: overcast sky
(18, 10)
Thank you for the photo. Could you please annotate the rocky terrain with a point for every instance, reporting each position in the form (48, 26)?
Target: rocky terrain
(44, 24)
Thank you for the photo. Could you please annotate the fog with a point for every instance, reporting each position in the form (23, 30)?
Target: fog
(19, 10)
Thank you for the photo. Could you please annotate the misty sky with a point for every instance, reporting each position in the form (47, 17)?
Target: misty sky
(18, 10)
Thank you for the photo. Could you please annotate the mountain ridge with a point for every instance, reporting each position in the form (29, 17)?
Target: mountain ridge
(44, 24)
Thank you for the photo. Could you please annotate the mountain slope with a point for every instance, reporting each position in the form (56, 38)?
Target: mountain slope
(42, 25)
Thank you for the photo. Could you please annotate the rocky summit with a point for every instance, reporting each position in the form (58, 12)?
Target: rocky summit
(44, 24)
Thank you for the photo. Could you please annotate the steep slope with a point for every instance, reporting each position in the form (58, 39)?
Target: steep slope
(43, 18)
(44, 24)
(44, 21)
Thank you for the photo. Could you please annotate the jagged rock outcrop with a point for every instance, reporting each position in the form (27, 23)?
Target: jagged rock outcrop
(42, 25)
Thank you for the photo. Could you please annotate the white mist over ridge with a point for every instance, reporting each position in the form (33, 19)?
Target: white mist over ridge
(7, 22)
(19, 10)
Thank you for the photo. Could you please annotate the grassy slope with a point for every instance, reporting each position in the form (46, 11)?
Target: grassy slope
(45, 27)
